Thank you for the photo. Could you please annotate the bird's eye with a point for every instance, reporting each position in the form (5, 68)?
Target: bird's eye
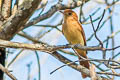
(69, 13)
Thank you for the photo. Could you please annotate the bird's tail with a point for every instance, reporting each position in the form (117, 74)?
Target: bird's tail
(83, 63)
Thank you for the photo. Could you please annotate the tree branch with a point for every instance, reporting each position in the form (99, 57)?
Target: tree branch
(13, 24)
(73, 65)
(7, 72)
(51, 48)
(49, 13)
(6, 8)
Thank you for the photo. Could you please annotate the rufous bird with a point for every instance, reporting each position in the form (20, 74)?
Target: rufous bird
(74, 33)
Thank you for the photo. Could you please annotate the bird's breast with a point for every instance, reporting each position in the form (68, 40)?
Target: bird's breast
(72, 32)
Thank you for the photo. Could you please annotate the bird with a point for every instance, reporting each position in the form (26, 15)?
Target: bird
(74, 33)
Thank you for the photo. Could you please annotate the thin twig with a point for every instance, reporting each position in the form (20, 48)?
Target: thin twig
(97, 60)
(39, 72)
(8, 65)
(100, 20)
(95, 30)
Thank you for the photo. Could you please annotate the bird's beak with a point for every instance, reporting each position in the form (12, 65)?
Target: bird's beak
(61, 12)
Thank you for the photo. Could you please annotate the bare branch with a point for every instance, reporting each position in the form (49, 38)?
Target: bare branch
(73, 65)
(97, 60)
(49, 13)
(6, 8)
(7, 72)
(13, 24)
(49, 48)
(95, 30)
(92, 72)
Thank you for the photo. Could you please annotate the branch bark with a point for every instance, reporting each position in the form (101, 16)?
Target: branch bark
(7, 72)
(14, 23)
(6, 8)
(50, 48)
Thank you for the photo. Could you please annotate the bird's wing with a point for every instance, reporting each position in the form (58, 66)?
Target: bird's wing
(83, 34)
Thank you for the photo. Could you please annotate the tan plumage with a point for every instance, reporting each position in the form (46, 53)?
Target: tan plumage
(74, 33)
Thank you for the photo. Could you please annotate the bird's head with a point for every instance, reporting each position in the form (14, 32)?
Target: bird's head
(68, 13)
